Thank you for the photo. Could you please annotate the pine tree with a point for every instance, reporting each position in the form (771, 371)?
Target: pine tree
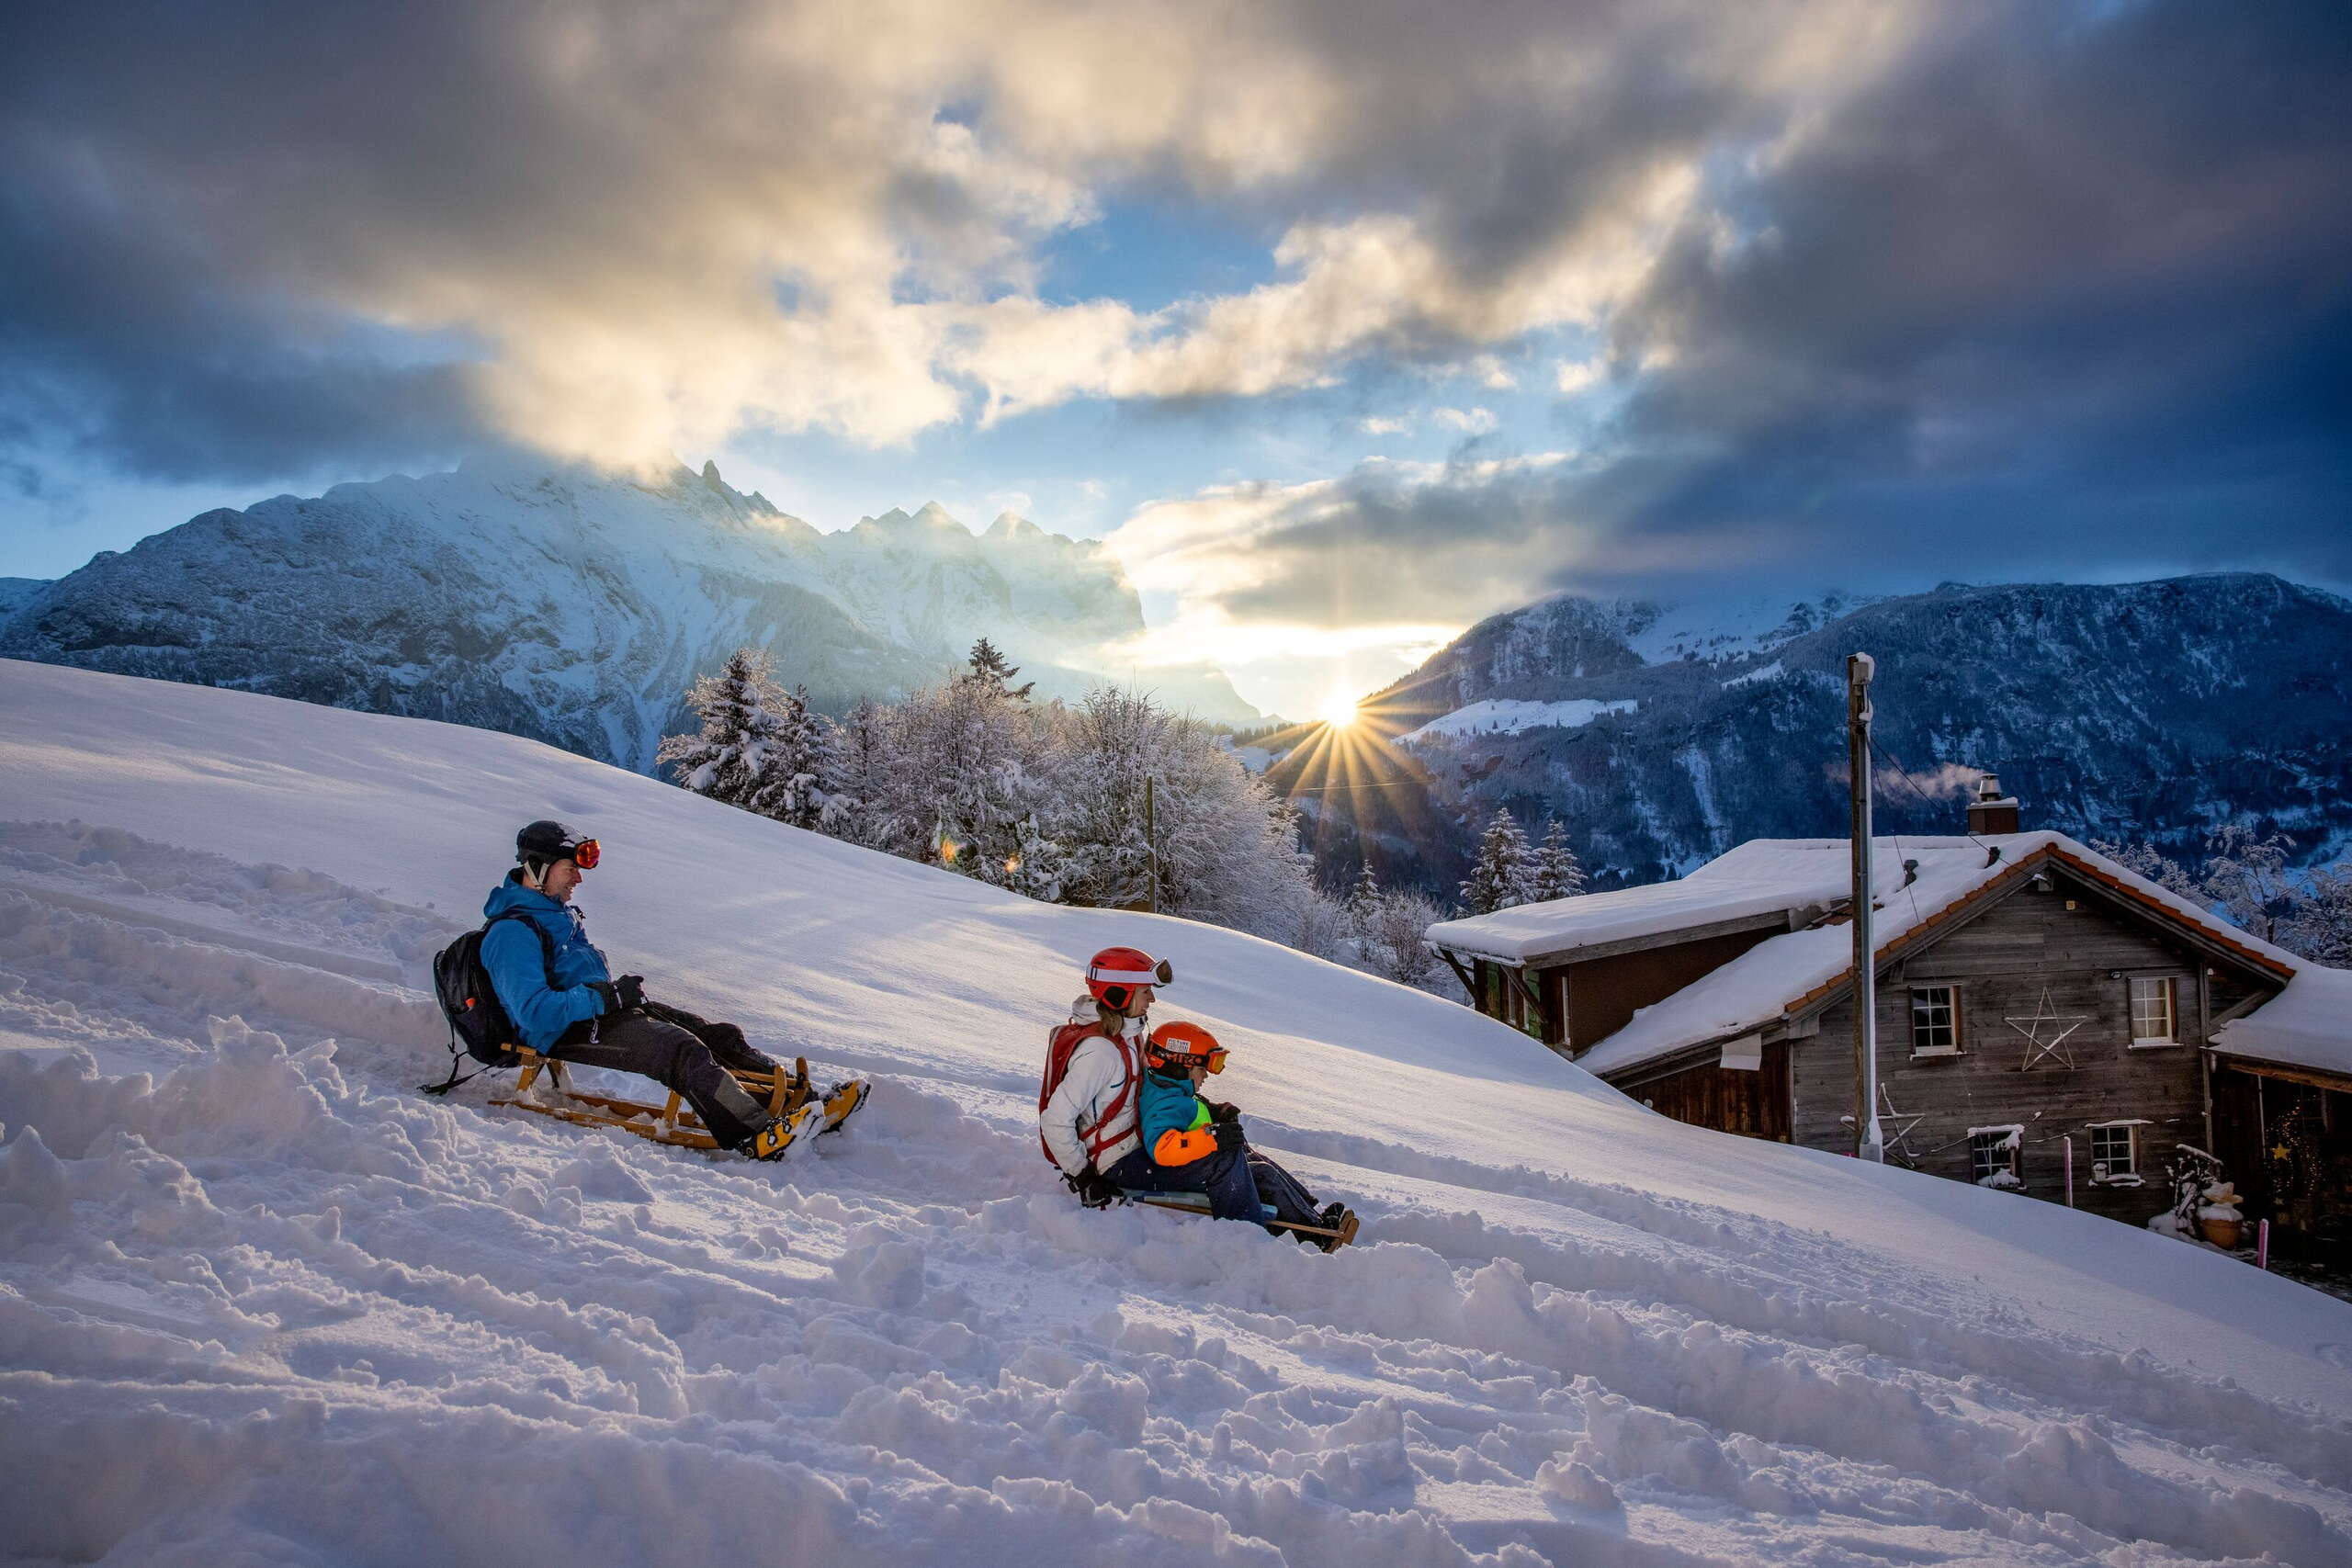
(863, 804)
(993, 667)
(798, 758)
(730, 759)
(1364, 900)
(1554, 871)
(1500, 877)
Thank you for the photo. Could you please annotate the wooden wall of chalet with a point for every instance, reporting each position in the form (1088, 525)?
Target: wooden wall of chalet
(1602, 995)
(1752, 1104)
(2001, 961)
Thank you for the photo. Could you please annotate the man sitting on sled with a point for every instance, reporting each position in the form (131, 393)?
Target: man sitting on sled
(566, 1005)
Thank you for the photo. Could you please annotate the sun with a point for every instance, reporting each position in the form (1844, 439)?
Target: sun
(1339, 710)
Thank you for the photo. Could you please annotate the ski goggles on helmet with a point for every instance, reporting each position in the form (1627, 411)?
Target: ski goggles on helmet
(1185, 1045)
(586, 853)
(1124, 974)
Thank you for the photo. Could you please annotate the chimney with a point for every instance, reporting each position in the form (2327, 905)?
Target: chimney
(1992, 812)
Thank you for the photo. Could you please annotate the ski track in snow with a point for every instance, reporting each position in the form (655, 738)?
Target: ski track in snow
(261, 1301)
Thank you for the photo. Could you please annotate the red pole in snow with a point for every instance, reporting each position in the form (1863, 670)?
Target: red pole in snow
(2262, 1245)
(2070, 1173)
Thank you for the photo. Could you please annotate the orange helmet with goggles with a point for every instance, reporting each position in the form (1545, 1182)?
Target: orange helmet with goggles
(1116, 973)
(548, 841)
(1181, 1048)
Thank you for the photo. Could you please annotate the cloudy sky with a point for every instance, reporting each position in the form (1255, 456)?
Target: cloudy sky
(1346, 322)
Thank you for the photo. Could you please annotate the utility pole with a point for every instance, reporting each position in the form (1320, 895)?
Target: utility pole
(1868, 1143)
(1151, 840)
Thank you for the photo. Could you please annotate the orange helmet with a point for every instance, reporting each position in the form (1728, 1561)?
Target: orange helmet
(1115, 974)
(1184, 1046)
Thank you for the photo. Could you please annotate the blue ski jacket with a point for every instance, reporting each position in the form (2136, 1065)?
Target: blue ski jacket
(514, 957)
(1176, 1129)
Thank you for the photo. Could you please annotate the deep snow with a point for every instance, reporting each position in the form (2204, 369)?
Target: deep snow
(261, 1301)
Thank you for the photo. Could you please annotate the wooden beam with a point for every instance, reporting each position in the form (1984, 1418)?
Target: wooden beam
(1469, 981)
(2312, 1077)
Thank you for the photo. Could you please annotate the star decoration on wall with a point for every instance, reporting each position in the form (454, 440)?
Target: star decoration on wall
(2033, 1027)
(1894, 1127)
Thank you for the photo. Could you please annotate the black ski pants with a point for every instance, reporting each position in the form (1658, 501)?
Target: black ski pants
(680, 1051)
(1238, 1183)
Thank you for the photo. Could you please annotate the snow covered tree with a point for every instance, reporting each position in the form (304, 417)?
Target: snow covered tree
(2322, 928)
(864, 802)
(965, 760)
(799, 758)
(1364, 900)
(1556, 873)
(2246, 878)
(734, 757)
(990, 665)
(1394, 944)
(1502, 876)
(2247, 875)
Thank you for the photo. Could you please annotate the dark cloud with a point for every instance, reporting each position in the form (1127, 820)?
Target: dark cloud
(2015, 286)
(2064, 291)
(2051, 296)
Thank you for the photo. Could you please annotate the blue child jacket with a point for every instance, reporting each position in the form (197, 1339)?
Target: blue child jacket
(515, 959)
(1176, 1128)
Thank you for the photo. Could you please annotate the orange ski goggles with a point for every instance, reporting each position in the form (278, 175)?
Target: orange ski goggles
(585, 854)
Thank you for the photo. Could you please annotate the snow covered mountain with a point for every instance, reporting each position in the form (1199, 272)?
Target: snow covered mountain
(263, 1302)
(2149, 710)
(575, 607)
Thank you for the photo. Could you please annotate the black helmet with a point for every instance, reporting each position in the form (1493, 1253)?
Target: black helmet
(548, 842)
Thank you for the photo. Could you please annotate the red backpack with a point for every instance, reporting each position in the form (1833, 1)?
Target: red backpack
(1059, 1048)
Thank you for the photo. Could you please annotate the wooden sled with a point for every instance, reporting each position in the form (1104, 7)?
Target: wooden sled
(673, 1121)
(1198, 1204)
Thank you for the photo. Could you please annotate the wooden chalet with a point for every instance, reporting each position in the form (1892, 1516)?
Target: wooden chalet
(2039, 1006)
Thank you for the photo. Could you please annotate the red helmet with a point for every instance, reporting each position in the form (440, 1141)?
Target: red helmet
(1115, 974)
(1184, 1046)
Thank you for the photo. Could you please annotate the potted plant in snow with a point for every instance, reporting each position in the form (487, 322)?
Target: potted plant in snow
(2218, 1217)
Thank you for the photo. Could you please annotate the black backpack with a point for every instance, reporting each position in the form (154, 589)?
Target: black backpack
(479, 1026)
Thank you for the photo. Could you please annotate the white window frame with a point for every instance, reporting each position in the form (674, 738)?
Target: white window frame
(1986, 1141)
(2130, 1175)
(2168, 989)
(1953, 992)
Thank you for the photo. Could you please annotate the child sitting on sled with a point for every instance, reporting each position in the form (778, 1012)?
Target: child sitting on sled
(1193, 1145)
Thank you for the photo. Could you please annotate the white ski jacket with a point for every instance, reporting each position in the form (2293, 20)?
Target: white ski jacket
(1073, 1120)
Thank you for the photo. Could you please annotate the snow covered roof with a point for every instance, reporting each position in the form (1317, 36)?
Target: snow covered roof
(2309, 1024)
(1763, 876)
(1788, 974)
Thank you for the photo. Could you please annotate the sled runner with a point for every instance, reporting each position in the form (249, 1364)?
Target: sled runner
(783, 1093)
(1331, 1239)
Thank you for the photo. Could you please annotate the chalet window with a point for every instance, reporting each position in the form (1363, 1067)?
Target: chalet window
(2115, 1154)
(2154, 1019)
(1993, 1155)
(1934, 1020)
(1518, 1009)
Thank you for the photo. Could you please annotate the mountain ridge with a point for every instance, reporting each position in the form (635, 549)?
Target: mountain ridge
(2143, 711)
(576, 606)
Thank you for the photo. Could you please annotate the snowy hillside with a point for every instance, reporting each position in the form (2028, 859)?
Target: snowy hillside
(263, 1302)
(575, 607)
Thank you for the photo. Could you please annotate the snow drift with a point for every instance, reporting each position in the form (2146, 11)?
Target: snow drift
(261, 1301)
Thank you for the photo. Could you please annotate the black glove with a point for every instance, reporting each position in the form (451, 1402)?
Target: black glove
(1094, 1190)
(1223, 1110)
(604, 989)
(1228, 1136)
(630, 990)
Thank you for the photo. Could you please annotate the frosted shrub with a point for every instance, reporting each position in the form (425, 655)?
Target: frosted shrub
(1045, 799)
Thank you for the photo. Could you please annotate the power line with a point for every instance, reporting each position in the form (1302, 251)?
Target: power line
(1326, 789)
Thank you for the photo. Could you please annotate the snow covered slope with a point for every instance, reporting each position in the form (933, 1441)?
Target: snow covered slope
(261, 1303)
(574, 607)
